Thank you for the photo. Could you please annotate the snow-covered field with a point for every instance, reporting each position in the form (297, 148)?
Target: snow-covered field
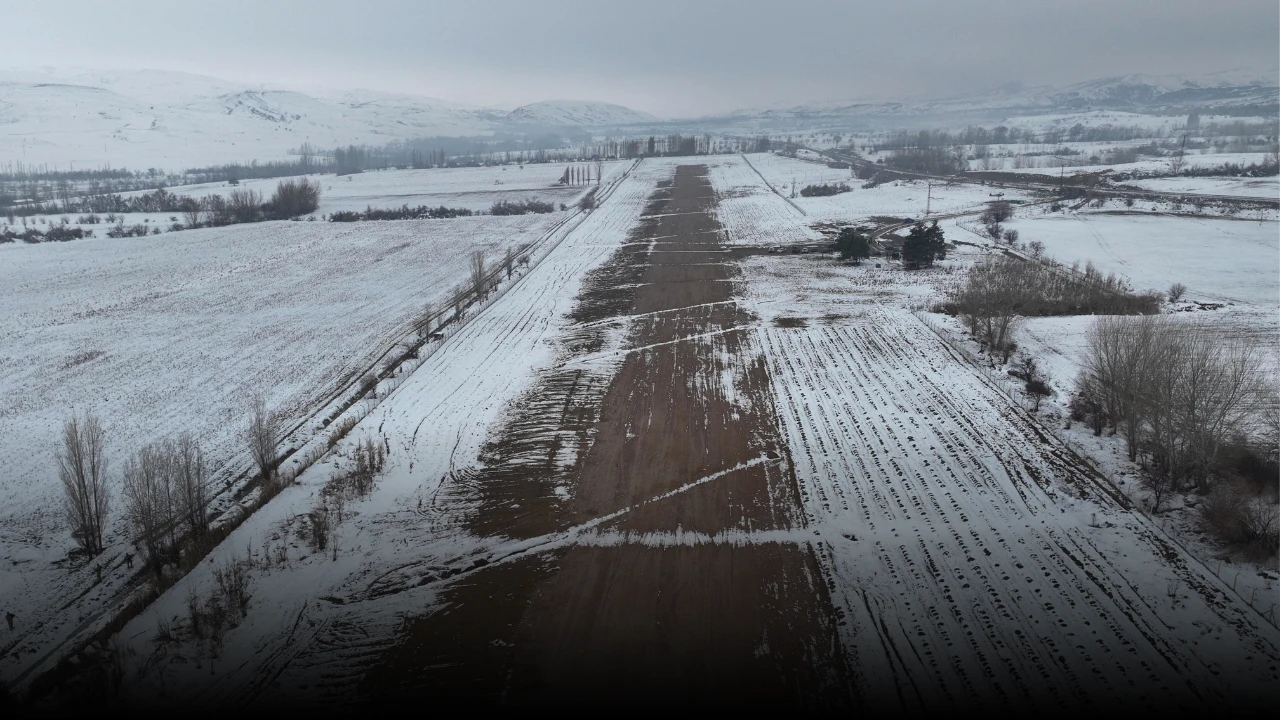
(473, 188)
(900, 198)
(174, 333)
(965, 547)
(1268, 187)
(1153, 165)
(972, 556)
(751, 212)
(434, 424)
(1217, 259)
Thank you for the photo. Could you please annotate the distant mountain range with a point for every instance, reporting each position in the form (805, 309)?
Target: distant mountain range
(1231, 92)
(577, 113)
(172, 120)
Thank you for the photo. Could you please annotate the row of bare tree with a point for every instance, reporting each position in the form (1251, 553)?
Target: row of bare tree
(1176, 390)
(165, 484)
(165, 492)
(996, 293)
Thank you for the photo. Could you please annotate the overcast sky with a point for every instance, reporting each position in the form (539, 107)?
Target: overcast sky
(668, 57)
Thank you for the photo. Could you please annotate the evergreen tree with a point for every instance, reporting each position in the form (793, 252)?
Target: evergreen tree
(853, 245)
(924, 245)
(936, 242)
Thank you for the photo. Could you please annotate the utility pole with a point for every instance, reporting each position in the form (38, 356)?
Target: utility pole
(928, 200)
(1062, 169)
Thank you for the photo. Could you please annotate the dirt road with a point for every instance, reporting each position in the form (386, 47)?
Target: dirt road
(696, 583)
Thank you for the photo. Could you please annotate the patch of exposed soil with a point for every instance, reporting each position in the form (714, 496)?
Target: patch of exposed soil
(695, 582)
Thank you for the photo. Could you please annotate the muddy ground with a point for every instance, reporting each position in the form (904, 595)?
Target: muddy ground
(641, 616)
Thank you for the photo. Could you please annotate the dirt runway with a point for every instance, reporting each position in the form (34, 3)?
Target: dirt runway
(699, 587)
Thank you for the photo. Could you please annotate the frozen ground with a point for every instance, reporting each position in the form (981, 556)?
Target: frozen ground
(472, 188)
(1217, 259)
(169, 333)
(475, 189)
(1249, 187)
(972, 560)
(975, 560)
(750, 210)
(900, 198)
(1153, 165)
(434, 424)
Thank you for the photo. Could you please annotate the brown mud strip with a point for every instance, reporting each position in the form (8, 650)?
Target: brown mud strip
(642, 615)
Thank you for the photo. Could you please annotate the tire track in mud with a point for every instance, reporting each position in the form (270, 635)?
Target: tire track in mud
(660, 383)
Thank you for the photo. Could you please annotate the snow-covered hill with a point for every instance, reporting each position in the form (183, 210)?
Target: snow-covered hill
(577, 113)
(175, 120)
(171, 120)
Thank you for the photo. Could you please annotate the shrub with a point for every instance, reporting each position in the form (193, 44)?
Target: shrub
(1241, 517)
(402, 213)
(824, 190)
(244, 205)
(232, 579)
(318, 529)
(507, 207)
(295, 197)
(120, 231)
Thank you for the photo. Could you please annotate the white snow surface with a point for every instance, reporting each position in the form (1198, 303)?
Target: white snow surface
(473, 188)
(434, 423)
(172, 120)
(900, 198)
(174, 333)
(964, 540)
(1217, 259)
(577, 112)
(1268, 187)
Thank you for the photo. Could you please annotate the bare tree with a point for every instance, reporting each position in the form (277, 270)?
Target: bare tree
(1176, 291)
(989, 302)
(82, 467)
(191, 212)
(146, 495)
(244, 205)
(191, 482)
(262, 436)
(1174, 389)
(422, 325)
(457, 299)
(509, 261)
(996, 213)
(477, 274)
(1175, 162)
(599, 170)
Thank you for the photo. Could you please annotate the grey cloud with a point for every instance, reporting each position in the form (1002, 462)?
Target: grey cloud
(670, 58)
